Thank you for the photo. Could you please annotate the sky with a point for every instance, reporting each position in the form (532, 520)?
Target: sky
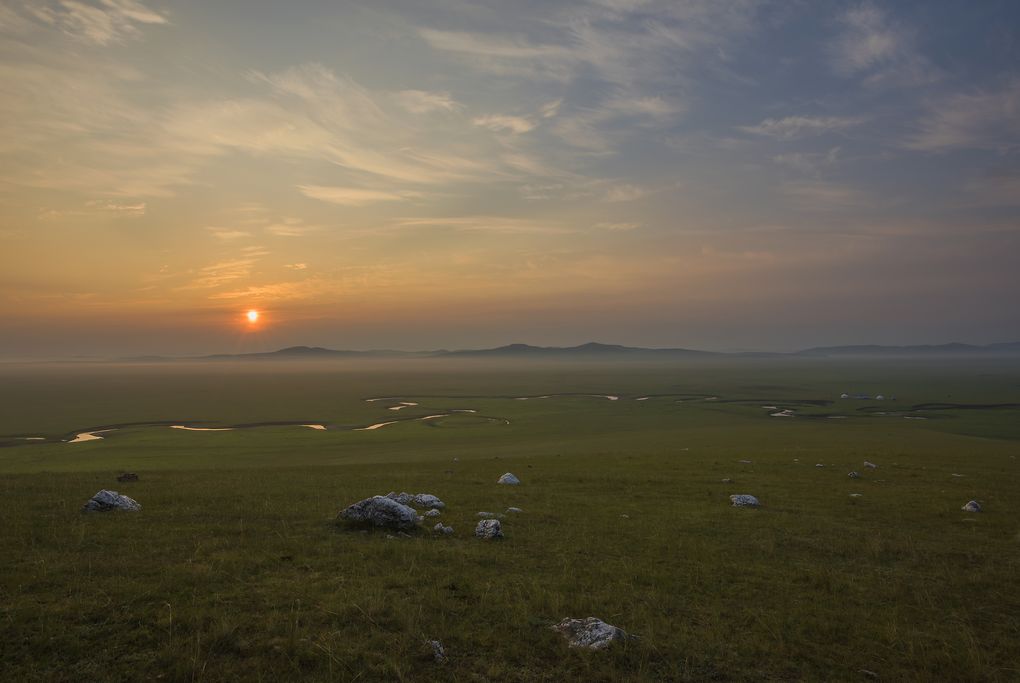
(425, 174)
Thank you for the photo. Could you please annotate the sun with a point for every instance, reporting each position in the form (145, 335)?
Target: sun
(253, 316)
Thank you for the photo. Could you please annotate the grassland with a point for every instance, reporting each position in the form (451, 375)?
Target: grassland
(236, 570)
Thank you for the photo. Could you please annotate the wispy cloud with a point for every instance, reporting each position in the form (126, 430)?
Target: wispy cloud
(353, 196)
(625, 193)
(102, 23)
(424, 102)
(503, 123)
(618, 227)
(793, 127)
(983, 119)
(491, 224)
(881, 51)
(228, 234)
(821, 196)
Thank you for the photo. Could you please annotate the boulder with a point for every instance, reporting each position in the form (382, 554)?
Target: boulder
(854, 475)
(440, 529)
(744, 500)
(591, 633)
(127, 476)
(508, 479)
(381, 511)
(433, 513)
(489, 528)
(104, 501)
(402, 498)
(972, 506)
(428, 501)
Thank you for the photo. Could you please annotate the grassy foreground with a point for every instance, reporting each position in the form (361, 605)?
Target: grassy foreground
(236, 570)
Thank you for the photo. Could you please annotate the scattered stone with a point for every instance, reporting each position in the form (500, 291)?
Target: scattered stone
(127, 476)
(591, 633)
(433, 513)
(856, 495)
(104, 501)
(625, 516)
(427, 500)
(744, 500)
(727, 481)
(382, 511)
(489, 528)
(514, 510)
(745, 462)
(870, 465)
(487, 515)
(438, 652)
(508, 479)
(854, 475)
(972, 506)
(955, 475)
(818, 464)
(402, 497)
(440, 529)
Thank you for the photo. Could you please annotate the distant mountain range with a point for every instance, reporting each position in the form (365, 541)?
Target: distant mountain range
(593, 350)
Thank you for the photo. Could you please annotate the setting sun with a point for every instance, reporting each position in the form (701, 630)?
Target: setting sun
(253, 316)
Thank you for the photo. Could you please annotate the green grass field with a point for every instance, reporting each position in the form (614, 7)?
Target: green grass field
(235, 569)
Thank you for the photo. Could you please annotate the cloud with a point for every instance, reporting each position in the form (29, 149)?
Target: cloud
(811, 163)
(353, 196)
(102, 23)
(423, 102)
(820, 196)
(297, 266)
(492, 224)
(987, 119)
(501, 123)
(793, 127)
(625, 193)
(290, 226)
(228, 234)
(618, 227)
(873, 46)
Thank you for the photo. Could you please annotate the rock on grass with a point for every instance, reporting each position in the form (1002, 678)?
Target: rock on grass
(972, 506)
(508, 479)
(105, 501)
(744, 500)
(489, 528)
(591, 633)
(383, 512)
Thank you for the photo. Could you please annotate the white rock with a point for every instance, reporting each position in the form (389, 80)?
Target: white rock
(591, 633)
(402, 497)
(972, 506)
(487, 515)
(818, 464)
(383, 512)
(744, 500)
(727, 481)
(110, 500)
(870, 465)
(854, 475)
(856, 495)
(440, 529)
(489, 528)
(427, 500)
(508, 479)
(745, 462)
(514, 510)
(433, 513)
